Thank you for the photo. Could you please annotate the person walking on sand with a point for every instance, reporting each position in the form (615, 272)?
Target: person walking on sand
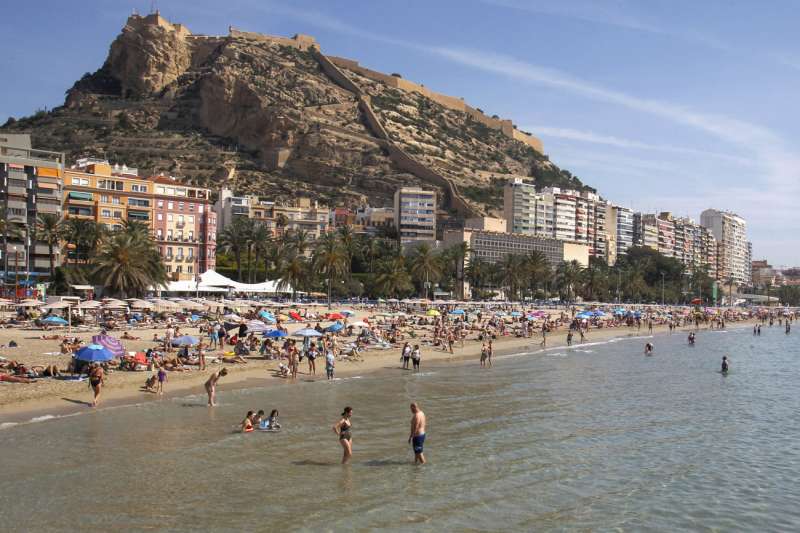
(96, 380)
(201, 356)
(484, 355)
(330, 364)
(417, 435)
(489, 354)
(405, 355)
(211, 386)
(344, 430)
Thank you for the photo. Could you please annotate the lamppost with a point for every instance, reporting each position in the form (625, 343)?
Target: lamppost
(16, 272)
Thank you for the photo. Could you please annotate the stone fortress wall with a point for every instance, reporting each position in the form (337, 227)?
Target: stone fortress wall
(450, 102)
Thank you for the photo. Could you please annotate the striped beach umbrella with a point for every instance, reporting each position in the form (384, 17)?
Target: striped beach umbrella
(113, 344)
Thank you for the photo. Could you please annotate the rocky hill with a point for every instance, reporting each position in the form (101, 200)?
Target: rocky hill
(274, 116)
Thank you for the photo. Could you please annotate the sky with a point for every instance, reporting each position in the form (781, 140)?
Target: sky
(661, 105)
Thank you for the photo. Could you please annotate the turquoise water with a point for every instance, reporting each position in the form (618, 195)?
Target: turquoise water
(597, 437)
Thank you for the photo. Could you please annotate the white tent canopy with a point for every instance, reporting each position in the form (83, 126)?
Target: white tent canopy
(212, 281)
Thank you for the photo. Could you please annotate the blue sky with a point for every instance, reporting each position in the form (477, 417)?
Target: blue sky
(662, 106)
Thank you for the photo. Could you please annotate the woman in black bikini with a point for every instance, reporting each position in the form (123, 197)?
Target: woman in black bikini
(343, 430)
(96, 378)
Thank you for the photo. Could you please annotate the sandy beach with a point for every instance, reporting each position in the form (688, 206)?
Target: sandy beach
(19, 402)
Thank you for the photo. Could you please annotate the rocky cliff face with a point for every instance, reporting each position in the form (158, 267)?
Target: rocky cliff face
(261, 116)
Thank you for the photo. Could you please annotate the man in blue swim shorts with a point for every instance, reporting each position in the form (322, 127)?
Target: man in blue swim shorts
(417, 436)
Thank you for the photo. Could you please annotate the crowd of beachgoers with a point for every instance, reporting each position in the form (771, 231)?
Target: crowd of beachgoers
(97, 341)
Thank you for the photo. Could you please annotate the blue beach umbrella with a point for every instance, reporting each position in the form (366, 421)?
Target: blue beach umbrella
(94, 353)
(599, 313)
(186, 340)
(275, 333)
(347, 312)
(457, 312)
(585, 314)
(55, 320)
(515, 314)
(336, 326)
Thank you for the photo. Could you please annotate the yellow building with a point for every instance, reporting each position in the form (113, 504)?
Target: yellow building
(94, 190)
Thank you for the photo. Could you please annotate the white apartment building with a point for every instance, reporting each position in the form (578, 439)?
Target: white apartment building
(415, 214)
(733, 249)
(624, 221)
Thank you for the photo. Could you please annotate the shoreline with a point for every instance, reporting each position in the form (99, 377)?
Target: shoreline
(60, 403)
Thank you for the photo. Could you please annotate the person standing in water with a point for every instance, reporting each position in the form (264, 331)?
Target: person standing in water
(417, 436)
(96, 380)
(489, 354)
(211, 386)
(344, 430)
(648, 349)
(725, 365)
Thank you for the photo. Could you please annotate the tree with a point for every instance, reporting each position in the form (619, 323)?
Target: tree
(260, 238)
(426, 266)
(568, 275)
(349, 244)
(128, 266)
(392, 278)
(294, 273)
(234, 239)
(49, 229)
(512, 272)
(298, 240)
(330, 260)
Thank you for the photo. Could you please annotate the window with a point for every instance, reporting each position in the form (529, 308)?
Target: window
(105, 213)
(115, 200)
(159, 216)
(190, 269)
(191, 219)
(104, 199)
(180, 206)
(139, 188)
(117, 214)
(180, 219)
(179, 269)
(84, 182)
(199, 208)
(159, 234)
(191, 207)
(161, 204)
(169, 252)
(138, 202)
(180, 253)
(161, 189)
(169, 234)
(169, 269)
(169, 217)
(170, 205)
(191, 253)
(191, 235)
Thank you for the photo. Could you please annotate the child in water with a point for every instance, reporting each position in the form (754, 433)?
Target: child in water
(725, 366)
(247, 423)
(272, 421)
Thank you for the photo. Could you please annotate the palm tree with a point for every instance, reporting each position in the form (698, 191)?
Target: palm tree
(568, 275)
(48, 229)
(299, 240)
(349, 244)
(127, 266)
(294, 273)
(234, 239)
(593, 279)
(426, 266)
(136, 229)
(372, 250)
(512, 270)
(536, 268)
(330, 260)
(281, 221)
(260, 238)
(730, 283)
(392, 278)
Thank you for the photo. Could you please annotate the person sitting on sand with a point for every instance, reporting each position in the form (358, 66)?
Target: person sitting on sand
(234, 359)
(150, 383)
(44, 371)
(128, 336)
(53, 337)
(8, 378)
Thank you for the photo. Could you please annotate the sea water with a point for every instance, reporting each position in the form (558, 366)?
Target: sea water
(596, 437)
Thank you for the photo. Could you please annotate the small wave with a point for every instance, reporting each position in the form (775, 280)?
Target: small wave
(6, 425)
(42, 418)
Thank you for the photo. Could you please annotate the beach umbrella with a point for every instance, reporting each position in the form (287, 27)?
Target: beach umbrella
(275, 333)
(89, 304)
(232, 317)
(256, 326)
(599, 313)
(334, 316)
(457, 312)
(56, 320)
(94, 353)
(697, 301)
(432, 312)
(516, 313)
(56, 305)
(111, 343)
(307, 332)
(29, 303)
(186, 340)
(360, 324)
(347, 312)
(295, 315)
(335, 327)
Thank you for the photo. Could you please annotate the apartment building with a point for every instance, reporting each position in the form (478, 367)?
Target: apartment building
(30, 185)
(665, 228)
(625, 228)
(645, 230)
(733, 249)
(94, 190)
(415, 214)
(302, 214)
(185, 227)
(372, 219)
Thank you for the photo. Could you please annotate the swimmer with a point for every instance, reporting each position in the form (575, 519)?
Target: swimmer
(725, 365)
(272, 421)
(417, 436)
(258, 418)
(343, 428)
(691, 338)
(247, 423)
(648, 349)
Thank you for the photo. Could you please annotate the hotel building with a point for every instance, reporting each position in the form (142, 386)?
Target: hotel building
(301, 215)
